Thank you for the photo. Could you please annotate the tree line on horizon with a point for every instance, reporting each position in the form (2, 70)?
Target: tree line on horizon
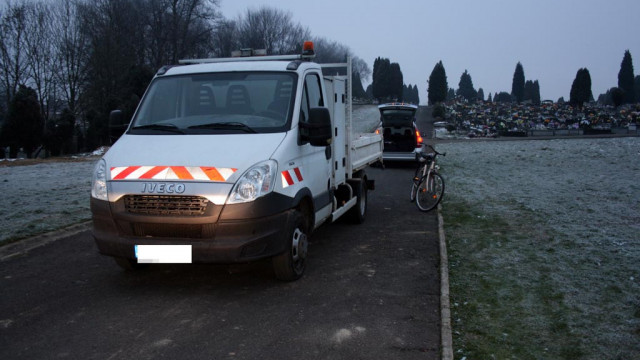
(627, 91)
(65, 64)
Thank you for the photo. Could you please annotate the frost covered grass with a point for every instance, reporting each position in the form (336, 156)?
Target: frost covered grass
(43, 197)
(544, 246)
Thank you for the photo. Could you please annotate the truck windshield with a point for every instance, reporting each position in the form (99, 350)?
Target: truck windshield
(217, 103)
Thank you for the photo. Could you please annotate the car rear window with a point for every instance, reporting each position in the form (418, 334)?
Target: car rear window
(397, 117)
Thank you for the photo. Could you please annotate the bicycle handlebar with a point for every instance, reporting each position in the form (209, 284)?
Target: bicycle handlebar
(434, 150)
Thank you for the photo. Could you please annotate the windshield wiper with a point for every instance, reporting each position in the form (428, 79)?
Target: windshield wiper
(163, 127)
(225, 126)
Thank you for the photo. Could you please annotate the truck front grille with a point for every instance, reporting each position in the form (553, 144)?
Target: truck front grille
(166, 205)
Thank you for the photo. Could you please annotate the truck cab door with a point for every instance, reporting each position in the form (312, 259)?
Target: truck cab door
(316, 160)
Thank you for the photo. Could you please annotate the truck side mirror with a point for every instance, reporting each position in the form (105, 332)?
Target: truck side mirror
(317, 131)
(117, 125)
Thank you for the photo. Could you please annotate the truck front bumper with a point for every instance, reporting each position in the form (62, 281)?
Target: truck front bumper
(214, 237)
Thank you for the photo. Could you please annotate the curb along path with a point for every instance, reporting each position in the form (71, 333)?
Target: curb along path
(445, 308)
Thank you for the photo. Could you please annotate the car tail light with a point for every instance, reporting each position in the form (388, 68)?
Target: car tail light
(418, 139)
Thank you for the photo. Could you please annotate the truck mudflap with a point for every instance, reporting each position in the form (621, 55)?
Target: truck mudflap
(224, 241)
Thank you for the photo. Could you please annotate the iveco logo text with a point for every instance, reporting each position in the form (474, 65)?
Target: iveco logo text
(162, 188)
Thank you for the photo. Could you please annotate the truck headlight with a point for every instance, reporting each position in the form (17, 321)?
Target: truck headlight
(255, 182)
(99, 181)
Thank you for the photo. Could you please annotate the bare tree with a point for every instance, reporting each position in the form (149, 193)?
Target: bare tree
(72, 47)
(271, 29)
(328, 51)
(179, 29)
(13, 58)
(40, 53)
(225, 38)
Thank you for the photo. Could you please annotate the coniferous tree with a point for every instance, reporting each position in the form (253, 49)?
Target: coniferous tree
(369, 91)
(636, 86)
(24, 125)
(480, 94)
(410, 94)
(517, 86)
(375, 75)
(626, 78)
(358, 90)
(617, 96)
(385, 79)
(605, 99)
(528, 91)
(381, 73)
(535, 97)
(502, 96)
(465, 87)
(451, 94)
(396, 82)
(437, 89)
(581, 88)
(532, 92)
(489, 98)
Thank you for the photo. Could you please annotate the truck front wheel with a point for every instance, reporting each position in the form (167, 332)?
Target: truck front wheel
(290, 265)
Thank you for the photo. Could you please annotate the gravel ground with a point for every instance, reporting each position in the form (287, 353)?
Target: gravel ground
(571, 208)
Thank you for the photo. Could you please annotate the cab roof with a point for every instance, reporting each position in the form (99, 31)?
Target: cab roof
(238, 66)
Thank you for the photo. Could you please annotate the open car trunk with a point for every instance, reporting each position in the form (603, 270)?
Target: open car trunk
(398, 129)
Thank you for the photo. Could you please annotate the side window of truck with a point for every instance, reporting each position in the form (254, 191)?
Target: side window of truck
(311, 96)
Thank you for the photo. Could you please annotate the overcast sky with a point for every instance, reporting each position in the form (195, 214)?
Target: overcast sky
(551, 38)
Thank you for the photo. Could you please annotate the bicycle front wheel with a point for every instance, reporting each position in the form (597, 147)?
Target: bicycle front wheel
(429, 192)
(414, 190)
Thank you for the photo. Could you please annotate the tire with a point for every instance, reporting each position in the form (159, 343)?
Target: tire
(414, 188)
(430, 192)
(358, 213)
(290, 265)
(129, 264)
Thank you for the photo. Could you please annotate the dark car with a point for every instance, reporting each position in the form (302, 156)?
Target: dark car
(402, 140)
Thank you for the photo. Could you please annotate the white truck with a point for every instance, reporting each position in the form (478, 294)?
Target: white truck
(232, 160)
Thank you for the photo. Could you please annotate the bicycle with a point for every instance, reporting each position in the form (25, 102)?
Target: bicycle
(428, 186)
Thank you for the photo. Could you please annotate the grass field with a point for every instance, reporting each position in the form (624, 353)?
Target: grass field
(544, 248)
(42, 196)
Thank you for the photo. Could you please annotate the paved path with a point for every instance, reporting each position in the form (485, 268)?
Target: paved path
(371, 292)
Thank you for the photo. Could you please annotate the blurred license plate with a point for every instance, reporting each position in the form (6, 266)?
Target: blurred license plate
(163, 254)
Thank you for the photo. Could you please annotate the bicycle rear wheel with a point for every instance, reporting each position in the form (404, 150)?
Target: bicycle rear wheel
(415, 182)
(429, 192)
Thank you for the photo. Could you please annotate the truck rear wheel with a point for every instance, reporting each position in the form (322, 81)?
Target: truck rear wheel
(358, 213)
(290, 265)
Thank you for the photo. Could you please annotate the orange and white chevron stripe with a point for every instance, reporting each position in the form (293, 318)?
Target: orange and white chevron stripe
(291, 176)
(196, 173)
